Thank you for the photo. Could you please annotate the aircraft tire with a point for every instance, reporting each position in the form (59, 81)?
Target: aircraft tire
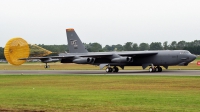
(150, 69)
(160, 69)
(157, 69)
(109, 69)
(115, 69)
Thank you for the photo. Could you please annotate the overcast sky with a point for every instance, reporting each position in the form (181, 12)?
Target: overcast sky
(104, 21)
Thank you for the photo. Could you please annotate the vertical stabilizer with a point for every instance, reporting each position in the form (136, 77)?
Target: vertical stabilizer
(75, 45)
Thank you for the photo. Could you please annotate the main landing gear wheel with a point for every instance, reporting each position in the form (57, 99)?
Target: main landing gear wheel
(151, 69)
(159, 69)
(109, 69)
(15, 49)
(114, 69)
(155, 69)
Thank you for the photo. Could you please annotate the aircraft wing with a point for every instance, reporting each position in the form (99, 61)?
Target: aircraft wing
(52, 57)
(48, 59)
(139, 53)
(103, 54)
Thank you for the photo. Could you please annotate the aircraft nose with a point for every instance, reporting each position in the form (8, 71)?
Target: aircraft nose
(193, 57)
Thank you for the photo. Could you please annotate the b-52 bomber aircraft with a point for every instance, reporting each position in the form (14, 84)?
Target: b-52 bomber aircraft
(155, 59)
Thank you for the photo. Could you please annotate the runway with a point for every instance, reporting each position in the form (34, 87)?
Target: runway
(100, 72)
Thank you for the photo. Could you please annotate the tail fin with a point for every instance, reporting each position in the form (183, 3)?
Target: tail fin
(75, 45)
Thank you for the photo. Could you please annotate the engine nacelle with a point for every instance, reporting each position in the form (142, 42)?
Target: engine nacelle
(83, 60)
(49, 60)
(122, 60)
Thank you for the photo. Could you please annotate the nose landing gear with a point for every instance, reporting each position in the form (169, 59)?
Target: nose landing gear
(46, 66)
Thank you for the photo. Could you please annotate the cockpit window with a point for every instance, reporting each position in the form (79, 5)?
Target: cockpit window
(188, 52)
(185, 52)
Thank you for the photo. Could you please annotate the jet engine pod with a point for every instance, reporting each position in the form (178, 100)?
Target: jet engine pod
(91, 60)
(129, 59)
(83, 60)
(15, 49)
(122, 60)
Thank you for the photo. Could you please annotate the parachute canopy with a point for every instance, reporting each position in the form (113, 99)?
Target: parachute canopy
(16, 48)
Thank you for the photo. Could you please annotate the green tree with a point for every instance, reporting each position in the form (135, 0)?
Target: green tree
(173, 45)
(156, 46)
(143, 46)
(181, 45)
(95, 47)
(193, 47)
(118, 47)
(128, 46)
(196, 42)
(135, 47)
(2, 53)
(165, 45)
(87, 46)
(108, 48)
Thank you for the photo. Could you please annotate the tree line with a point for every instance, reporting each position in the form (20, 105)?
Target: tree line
(2, 53)
(193, 47)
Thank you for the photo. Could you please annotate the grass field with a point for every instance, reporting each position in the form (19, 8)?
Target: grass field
(99, 93)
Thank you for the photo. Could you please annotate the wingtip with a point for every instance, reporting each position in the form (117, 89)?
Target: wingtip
(69, 29)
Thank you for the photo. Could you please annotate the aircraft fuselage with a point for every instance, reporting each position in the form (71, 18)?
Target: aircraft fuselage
(162, 58)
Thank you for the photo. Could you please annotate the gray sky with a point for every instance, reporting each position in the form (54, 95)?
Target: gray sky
(103, 21)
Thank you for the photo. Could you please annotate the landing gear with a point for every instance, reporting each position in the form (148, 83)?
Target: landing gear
(159, 69)
(115, 69)
(151, 69)
(110, 69)
(46, 66)
(155, 69)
